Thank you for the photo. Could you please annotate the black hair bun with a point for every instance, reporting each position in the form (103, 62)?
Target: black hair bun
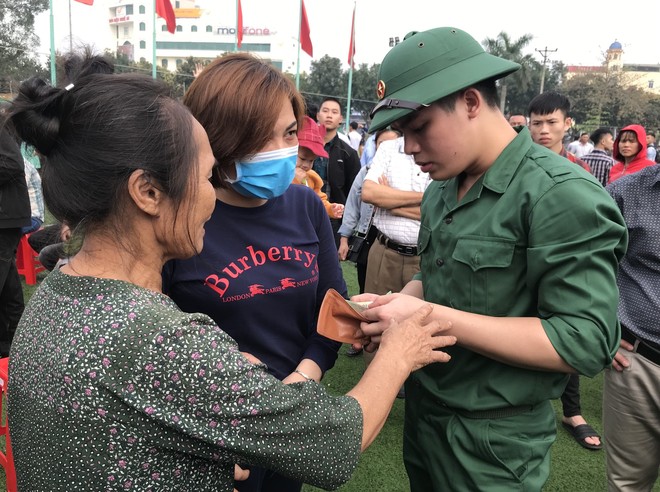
(37, 114)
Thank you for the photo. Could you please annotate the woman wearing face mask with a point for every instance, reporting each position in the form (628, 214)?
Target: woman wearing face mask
(269, 255)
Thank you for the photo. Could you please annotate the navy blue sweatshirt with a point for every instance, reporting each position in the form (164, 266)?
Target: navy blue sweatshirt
(262, 276)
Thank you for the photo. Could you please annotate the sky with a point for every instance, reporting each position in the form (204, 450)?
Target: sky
(579, 31)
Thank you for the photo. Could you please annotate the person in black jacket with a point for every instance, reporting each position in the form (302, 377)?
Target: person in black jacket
(14, 214)
(338, 171)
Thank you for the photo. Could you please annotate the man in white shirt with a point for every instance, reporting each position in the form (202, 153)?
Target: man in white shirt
(651, 151)
(354, 136)
(395, 185)
(581, 146)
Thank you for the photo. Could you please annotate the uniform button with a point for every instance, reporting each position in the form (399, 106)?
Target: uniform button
(439, 262)
(448, 220)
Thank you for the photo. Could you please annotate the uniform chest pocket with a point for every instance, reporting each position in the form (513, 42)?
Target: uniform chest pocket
(487, 280)
(423, 238)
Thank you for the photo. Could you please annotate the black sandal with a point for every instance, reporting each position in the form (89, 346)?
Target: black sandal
(581, 432)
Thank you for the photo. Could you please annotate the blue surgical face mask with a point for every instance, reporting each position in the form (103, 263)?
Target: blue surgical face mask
(267, 174)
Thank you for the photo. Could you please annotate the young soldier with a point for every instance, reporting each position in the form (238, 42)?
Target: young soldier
(512, 241)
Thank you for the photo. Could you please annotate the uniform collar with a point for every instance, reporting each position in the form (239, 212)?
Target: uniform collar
(498, 177)
(501, 172)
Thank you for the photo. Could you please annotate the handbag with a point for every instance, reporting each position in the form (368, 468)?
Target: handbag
(359, 243)
(355, 244)
(339, 319)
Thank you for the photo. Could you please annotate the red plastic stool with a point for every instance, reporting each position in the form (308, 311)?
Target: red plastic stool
(6, 458)
(27, 261)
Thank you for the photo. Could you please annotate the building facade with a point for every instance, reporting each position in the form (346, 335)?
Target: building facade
(644, 76)
(203, 33)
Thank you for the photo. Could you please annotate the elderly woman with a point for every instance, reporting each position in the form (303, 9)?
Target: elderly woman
(112, 387)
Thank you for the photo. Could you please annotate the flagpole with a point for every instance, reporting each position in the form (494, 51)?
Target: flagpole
(348, 103)
(154, 61)
(70, 31)
(298, 62)
(236, 37)
(53, 68)
(350, 72)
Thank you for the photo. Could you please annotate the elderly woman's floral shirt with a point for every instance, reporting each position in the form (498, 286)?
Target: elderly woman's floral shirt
(112, 387)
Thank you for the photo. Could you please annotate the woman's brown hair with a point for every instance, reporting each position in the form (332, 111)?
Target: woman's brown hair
(237, 99)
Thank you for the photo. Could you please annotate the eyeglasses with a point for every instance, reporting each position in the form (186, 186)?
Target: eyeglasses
(397, 104)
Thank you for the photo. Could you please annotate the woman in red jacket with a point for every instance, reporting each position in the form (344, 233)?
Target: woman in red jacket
(629, 152)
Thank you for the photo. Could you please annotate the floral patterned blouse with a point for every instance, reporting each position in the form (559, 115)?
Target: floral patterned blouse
(112, 387)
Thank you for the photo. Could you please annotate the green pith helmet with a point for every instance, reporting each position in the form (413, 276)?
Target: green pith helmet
(428, 66)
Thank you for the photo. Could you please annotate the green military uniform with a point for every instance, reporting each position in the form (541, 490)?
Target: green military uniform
(531, 238)
(534, 236)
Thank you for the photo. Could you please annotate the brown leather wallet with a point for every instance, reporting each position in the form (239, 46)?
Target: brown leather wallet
(340, 319)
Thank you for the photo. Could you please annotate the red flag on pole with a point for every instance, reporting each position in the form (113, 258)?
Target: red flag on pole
(86, 2)
(239, 24)
(164, 9)
(351, 46)
(305, 39)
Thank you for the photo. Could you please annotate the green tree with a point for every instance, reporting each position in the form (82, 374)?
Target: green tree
(18, 40)
(124, 64)
(178, 81)
(518, 98)
(591, 98)
(504, 47)
(610, 99)
(188, 70)
(651, 120)
(630, 105)
(555, 76)
(363, 91)
(325, 78)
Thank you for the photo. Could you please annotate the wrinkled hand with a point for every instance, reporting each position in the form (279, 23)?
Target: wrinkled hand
(367, 345)
(240, 474)
(417, 339)
(337, 210)
(382, 310)
(621, 362)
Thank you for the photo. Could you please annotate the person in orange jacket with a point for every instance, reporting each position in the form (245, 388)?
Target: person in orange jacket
(310, 146)
(629, 152)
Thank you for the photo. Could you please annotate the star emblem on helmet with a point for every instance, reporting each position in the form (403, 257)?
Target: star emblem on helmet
(380, 90)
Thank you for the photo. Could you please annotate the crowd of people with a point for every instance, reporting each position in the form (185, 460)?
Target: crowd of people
(174, 345)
